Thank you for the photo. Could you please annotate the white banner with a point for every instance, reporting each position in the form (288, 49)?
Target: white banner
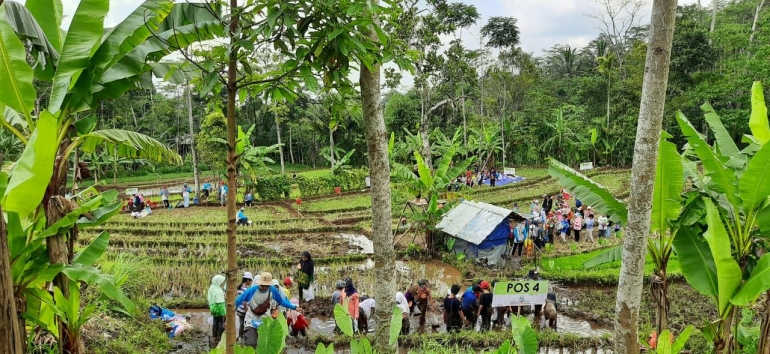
(132, 191)
(586, 166)
(510, 171)
(519, 293)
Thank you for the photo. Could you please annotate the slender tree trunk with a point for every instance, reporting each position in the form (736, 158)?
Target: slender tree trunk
(714, 7)
(332, 153)
(12, 336)
(196, 173)
(425, 149)
(754, 23)
(764, 334)
(280, 148)
(630, 282)
(609, 86)
(291, 149)
(659, 288)
(465, 123)
(379, 171)
(502, 122)
(232, 266)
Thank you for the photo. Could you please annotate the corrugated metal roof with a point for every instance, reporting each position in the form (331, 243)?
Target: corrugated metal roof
(472, 221)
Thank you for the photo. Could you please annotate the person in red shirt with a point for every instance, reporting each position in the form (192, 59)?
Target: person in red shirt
(297, 322)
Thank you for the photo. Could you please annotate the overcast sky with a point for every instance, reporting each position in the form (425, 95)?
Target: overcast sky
(542, 23)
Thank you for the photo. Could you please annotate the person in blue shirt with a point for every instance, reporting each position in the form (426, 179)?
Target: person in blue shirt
(471, 304)
(242, 219)
(223, 194)
(206, 189)
(261, 300)
(247, 198)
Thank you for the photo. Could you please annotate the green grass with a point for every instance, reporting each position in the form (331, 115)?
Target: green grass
(338, 204)
(570, 269)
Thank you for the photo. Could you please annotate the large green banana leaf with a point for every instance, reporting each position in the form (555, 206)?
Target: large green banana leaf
(668, 186)
(728, 272)
(696, 261)
(755, 183)
(48, 15)
(128, 144)
(85, 33)
(91, 275)
(722, 179)
(24, 23)
(758, 120)
(758, 283)
(588, 191)
(613, 254)
(724, 141)
(32, 172)
(15, 75)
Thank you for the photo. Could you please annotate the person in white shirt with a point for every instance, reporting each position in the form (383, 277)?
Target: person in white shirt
(366, 311)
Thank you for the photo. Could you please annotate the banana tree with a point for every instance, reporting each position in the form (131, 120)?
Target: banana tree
(733, 186)
(430, 184)
(85, 65)
(668, 216)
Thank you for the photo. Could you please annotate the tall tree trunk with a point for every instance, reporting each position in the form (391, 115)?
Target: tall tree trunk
(648, 130)
(714, 8)
(232, 265)
(609, 87)
(196, 173)
(764, 334)
(332, 153)
(12, 336)
(379, 171)
(465, 123)
(754, 23)
(280, 148)
(291, 149)
(502, 122)
(425, 150)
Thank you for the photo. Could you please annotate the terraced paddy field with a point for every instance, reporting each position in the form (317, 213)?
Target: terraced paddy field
(169, 257)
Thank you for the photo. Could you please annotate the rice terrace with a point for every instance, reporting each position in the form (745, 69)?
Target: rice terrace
(384, 176)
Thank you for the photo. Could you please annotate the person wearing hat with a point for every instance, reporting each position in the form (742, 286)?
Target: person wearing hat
(424, 299)
(242, 219)
(261, 300)
(485, 306)
(246, 282)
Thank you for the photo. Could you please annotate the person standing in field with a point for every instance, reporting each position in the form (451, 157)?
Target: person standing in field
(305, 268)
(246, 282)
(603, 221)
(454, 318)
(590, 227)
(164, 194)
(492, 177)
(223, 193)
(404, 307)
(485, 306)
(216, 300)
(577, 225)
(424, 300)
(186, 195)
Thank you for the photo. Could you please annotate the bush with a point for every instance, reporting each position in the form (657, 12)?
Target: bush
(347, 180)
(270, 188)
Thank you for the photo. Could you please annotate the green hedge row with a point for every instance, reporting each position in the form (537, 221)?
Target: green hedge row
(271, 188)
(347, 180)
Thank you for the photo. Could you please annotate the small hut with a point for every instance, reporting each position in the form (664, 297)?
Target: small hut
(479, 230)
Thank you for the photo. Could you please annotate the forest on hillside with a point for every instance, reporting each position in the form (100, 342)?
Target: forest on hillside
(574, 104)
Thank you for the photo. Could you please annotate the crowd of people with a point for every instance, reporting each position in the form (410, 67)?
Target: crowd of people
(554, 217)
(262, 296)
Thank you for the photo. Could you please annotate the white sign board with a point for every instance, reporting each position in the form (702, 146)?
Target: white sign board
(368, 182)
(519, 293)
(510, 171)
(132, 191)
(586, 166)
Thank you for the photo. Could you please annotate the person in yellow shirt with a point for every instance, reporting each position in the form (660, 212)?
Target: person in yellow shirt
(287, 284)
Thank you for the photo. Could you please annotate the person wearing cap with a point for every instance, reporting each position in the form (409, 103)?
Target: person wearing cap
(287, 283)
(485, 306)
(164, 194)
(337, 294)
(241, 217)
(246, 282)
(424, 300)
(261, 300)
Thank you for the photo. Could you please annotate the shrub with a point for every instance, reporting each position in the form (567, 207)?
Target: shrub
(347, 180)
(270, 188)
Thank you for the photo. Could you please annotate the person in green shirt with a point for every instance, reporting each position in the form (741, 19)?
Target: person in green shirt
(216, 298)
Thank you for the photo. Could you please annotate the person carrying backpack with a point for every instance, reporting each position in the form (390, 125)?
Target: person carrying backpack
(577, 225)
